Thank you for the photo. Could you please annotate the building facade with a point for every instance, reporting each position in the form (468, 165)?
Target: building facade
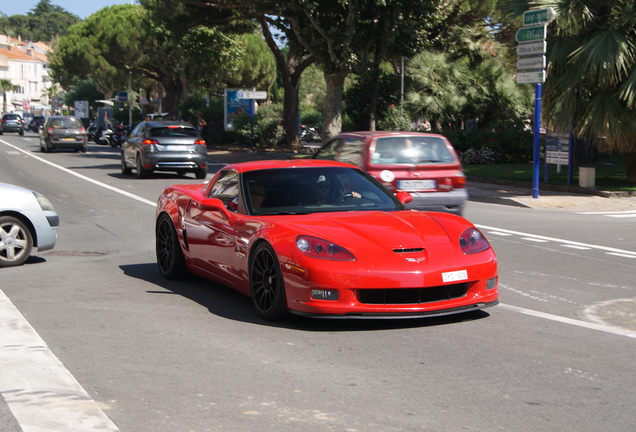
(25, 65)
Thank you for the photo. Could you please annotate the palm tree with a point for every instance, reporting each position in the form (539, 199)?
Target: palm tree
(6, 86)
(591, 74)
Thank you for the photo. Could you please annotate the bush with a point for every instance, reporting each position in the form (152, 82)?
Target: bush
(267, 128)
(509, 145)
(395, 119)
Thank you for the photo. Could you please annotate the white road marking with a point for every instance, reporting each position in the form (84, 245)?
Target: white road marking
(621, 255)
(623, 216)
(40, 392)
(592, 326)
(534, 239)
(575, 247)
(611, 250)
(607, 213)
(88, 179)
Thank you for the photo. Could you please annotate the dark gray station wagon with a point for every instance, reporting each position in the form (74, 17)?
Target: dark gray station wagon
(164, 146)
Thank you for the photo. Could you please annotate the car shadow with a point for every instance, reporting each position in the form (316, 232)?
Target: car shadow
(230, 304)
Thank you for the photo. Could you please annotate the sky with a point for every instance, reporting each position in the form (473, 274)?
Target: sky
(81, 8)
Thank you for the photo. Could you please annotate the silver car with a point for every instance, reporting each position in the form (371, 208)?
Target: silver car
(164, 146)
(27, 220)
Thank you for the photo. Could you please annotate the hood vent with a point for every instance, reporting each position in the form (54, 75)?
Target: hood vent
(408, 250)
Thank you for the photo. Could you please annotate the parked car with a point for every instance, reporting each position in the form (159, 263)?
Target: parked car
(164, 146)
(27, 220)
(63, 132)
(323, 238)
(12, 123)
(422, 164)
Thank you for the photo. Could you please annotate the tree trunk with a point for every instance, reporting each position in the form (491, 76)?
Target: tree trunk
(629, 161)
(333, 104)
(291, 69)
(373, 103)
(174, 89)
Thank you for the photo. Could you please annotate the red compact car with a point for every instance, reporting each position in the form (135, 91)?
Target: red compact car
(422, 164)
(317, 237)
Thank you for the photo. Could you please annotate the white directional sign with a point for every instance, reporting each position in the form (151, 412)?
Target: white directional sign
(531, 63)
(532, 48)
(251, 94)
(535, 77)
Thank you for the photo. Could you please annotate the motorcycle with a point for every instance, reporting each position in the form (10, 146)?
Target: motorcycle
(118, 136)
(91, 130)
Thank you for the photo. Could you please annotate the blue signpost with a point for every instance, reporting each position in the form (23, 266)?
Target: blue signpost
(532, 48)
(251, 95)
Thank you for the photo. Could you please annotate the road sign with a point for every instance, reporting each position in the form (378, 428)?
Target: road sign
(531, 63)
(251, 94)
(143, 100)
(538, 16)
(81, 109)
(532, 48)
(536, 77)
(531, 34)
(123, 96)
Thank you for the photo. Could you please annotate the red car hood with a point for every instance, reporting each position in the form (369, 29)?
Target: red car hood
(400, 229)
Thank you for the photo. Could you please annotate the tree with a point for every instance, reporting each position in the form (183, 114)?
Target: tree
(6, 86)
(118, 41)
(257, 66)
(42, 23)
(591, 73)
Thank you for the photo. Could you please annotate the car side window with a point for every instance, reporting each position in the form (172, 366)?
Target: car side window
(226, 188)
(352, 152)
(329, 150)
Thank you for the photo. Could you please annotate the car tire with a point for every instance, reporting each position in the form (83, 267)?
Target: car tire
(16, 240)
(170, 258)
(84, 149)
(266, 283)
(124, 168)
(201, 173)
(142, 172)
(21, 132)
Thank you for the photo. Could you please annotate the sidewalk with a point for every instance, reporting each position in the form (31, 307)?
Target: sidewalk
(482, 190)
(492, 191)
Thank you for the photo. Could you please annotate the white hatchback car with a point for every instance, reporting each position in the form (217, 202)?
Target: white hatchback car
(27, 220)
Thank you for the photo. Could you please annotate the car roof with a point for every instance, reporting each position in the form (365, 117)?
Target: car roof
(379, 134)
(288, 163)
(166, 123)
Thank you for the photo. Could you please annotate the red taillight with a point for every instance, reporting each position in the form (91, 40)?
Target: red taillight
(83, 131)
(174, 127)
(149, 142)
(201, 142)
(50, 130)
(459, 181)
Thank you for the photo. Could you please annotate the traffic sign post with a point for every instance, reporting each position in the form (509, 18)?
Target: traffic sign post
(531, 70)
(251, 95)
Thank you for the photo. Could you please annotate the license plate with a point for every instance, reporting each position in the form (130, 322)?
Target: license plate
(416, 184)
(455, 276)
(173, 147)
(68, 139)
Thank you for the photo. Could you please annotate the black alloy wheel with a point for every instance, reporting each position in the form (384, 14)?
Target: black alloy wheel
(169, 254)
(266, 283)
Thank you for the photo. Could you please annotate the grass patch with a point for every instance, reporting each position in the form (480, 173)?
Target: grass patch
(610, 173)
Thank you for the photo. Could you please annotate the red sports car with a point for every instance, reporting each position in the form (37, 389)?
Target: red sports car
(316, 237)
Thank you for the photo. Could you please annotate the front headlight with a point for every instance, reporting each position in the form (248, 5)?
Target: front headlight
(322, 249)
(472, 241)
(44, 202)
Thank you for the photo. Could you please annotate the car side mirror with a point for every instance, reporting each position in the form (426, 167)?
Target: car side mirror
(404, 197)
(214, 204)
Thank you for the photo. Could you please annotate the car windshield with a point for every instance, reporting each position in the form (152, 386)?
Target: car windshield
(409, 150)
(11, 117)
(66, 123)
(173, 131)
(312, 190)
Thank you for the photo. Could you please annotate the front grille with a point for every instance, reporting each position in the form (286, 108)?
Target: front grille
(412, 295)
